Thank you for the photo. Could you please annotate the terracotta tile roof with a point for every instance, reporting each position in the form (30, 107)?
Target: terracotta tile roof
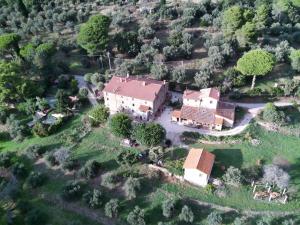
(199, 159)
(176, 113)
(144, 108)
(199, 115)
(139, 88)
(219, 120)
(226, 110)
(203, 93)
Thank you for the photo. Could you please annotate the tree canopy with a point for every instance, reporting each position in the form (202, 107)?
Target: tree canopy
(256, 62)
(9, 42)
(120, 125)
(10, 81)
(232, 20)
(150, 134)
(93, 35)
(295, 60)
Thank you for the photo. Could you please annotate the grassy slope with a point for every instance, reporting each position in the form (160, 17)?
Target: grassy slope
(244, 155)
(101, 145)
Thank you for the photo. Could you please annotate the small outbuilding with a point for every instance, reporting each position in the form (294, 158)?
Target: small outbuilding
(198, 166)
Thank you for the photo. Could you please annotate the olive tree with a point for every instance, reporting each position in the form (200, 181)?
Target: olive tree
(131, 186)
(168, 208)
(136, 217)
(276, 176)
(186, 214)
(295, 60)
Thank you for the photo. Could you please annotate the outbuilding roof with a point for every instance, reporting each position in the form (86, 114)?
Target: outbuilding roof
(200, 159)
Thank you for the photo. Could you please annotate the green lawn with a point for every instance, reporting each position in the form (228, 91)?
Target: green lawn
(244, 155)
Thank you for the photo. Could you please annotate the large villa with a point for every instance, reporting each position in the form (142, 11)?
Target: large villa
(144, 99)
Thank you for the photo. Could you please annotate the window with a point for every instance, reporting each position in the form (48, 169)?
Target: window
(107, 99)
(122, 102)
(211, 102)
(132, 104)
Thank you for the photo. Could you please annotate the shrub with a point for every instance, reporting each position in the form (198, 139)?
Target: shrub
(156, 153)
(94, 198)
(112, 208)
(87, 77)
(70, 164)
(127, 158)
(83, 93)
(214, 219)
(168, 208)
(34, 151)
(186, 214)
(19, 170)
(90, 169)
(132, 185)
(6, 159)
(72, 190)
(35, 217)
(272, 114)
(233, 176)
(36, 179)
(61, 155)
(40, 130)
(99, 115)
(109, 180)
(50, 159)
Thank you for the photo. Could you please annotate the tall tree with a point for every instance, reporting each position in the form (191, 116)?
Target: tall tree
(256, 63)
(232, 20)
(93, 35)
(10, 81)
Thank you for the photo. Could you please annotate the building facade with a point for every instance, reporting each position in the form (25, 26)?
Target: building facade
(204, 109)
(140, 97)
(198, 166)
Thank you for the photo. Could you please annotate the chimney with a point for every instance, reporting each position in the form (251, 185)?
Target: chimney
(144, 83)
(121, 79)
(165, 82)
(127, 76)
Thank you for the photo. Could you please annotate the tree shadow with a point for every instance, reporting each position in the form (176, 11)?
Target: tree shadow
(294, 173)
(226, 158)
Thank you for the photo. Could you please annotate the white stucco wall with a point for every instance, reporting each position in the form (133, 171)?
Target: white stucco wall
(209, 103)
(196, 177)
(118, 103)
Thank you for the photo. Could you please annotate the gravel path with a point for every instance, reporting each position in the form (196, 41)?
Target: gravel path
(174, 129)
(83, 84)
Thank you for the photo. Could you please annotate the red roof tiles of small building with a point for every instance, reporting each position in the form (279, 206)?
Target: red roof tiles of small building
(200, 159)
(203, 93)
(139, 88)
